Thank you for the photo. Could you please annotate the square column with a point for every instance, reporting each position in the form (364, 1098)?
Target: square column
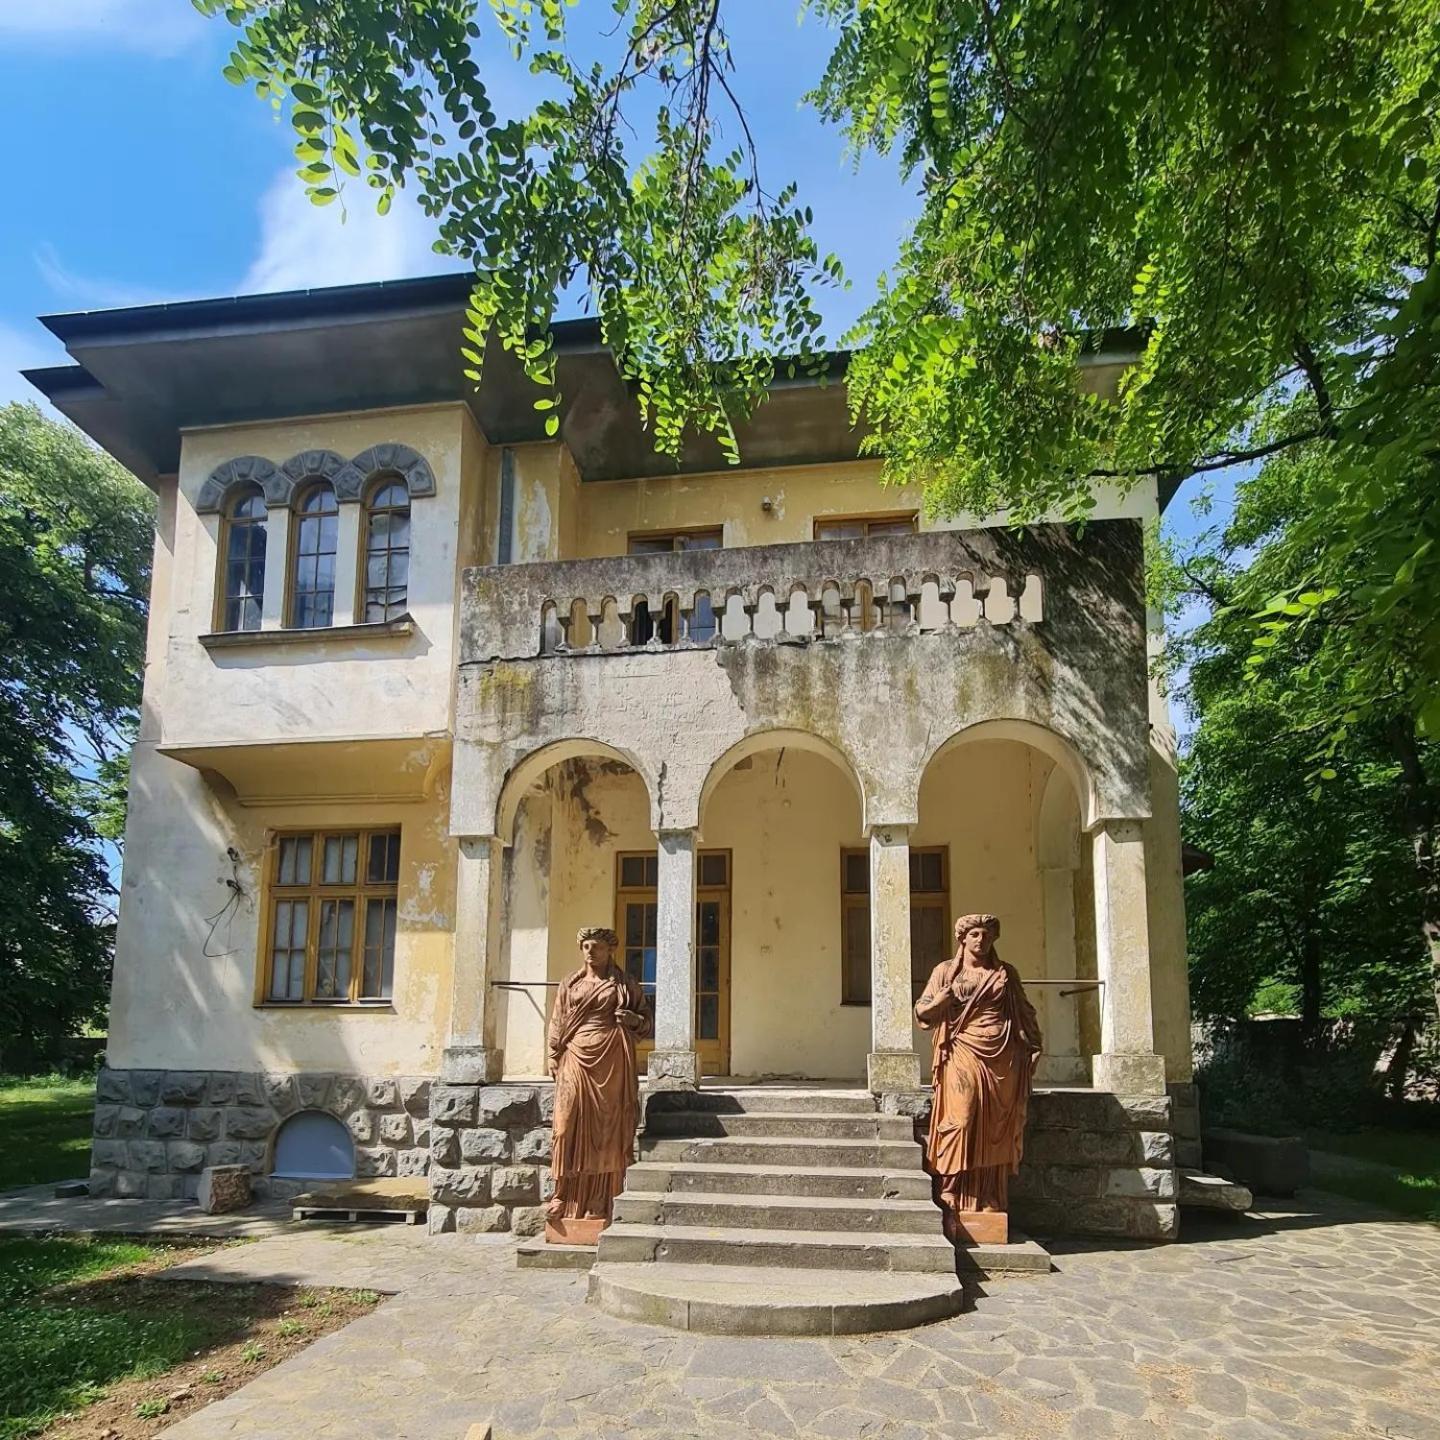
(674, 1064)
(893, 1064)
(471, 1056)
(1127, 1063)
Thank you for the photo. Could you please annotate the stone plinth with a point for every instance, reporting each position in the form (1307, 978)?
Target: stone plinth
(977, 1227)
(573, 1232)
(223, 1188)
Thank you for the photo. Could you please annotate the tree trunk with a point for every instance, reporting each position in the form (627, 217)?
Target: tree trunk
(1422, 816)
(1400, 1059)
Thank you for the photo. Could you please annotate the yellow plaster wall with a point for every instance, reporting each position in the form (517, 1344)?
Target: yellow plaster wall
(785, 818)
(184, 992)
(610, 511)
(328, 687)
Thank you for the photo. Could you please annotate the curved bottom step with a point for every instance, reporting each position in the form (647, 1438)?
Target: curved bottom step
(764, 1300)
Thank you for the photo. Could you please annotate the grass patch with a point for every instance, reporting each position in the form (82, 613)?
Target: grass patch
(1397, 1169)
(45, 1128)
(86, 1325)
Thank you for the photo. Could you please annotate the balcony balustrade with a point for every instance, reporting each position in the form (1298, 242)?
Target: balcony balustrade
(846, 590)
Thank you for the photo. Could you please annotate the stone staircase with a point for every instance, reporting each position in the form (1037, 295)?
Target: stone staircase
(762, 1210)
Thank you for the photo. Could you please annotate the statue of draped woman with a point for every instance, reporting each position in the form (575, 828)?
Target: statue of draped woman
(986, 1046)
(599, 1014)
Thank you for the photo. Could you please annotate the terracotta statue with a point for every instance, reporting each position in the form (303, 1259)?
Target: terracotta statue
(987, 1043)
(599, 1013)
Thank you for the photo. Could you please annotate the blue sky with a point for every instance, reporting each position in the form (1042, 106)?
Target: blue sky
(142, 175)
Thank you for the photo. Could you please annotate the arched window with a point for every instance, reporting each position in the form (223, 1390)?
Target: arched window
(387, 550)
(314, 1146)
(243, 573)
(312, 583)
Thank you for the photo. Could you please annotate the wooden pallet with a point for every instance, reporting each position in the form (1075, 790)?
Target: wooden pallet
(391, 1200)
(330, 1212)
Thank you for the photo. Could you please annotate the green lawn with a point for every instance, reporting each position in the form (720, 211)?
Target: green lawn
(56, 1354)
(44, 1129)
(1400, 1169)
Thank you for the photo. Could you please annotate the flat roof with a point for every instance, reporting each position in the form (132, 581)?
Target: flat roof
(145, 374)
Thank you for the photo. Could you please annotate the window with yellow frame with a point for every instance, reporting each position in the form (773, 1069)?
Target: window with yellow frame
(929, 919)
(330, 914)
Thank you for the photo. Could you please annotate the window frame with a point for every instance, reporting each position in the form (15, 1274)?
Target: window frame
(866, 518)
(222, 557)
(361, 891)
(853, 900)
(362, 570)
(303, 491)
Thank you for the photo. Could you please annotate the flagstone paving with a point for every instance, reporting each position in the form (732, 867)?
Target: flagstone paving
(1309, 1325)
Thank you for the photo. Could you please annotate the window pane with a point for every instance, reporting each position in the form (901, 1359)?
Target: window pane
(651, 924)
(928, 944)
(384, 863)
(713, 869)
(709, 969)
(709, 922)
(708, 1021)
(332, 960)
(378, 972)
(341, 856)
(287, 950)
(634, 925)
(651, 544)
(857, 872)
(892, 527)
(652, 870)
(705, 540)
(932, 872)
(856, 954)
(632, 871)
(294, 860)
(702, 620)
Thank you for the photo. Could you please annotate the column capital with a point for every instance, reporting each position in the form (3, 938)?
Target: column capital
(887, 832)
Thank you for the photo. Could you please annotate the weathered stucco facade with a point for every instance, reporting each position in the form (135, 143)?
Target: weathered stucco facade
(817, 722)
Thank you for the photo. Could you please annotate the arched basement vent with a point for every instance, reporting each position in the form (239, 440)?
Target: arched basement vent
(313, 1146)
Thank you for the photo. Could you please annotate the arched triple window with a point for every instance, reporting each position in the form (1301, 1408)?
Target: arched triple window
(243, 571)
(387, 550)
(312, 572)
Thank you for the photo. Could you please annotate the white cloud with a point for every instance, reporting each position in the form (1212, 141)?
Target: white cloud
(153, 27)
(92, 292)
(304, 246)
(22, 350)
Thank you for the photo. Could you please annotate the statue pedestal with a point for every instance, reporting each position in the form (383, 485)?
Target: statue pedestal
(573, 1232)
(977, 1227)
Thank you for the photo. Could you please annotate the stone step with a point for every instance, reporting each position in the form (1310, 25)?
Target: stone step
(783, 1249)
(766, 1099)
(679, 1177)
(789, 1151)
(780, 1212)
(744, 1300)
(805, 1125)
(1213, 1192)
(537, 1254)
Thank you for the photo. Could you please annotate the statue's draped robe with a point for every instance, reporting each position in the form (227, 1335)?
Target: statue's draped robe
(986, 1045)
(597, 1103)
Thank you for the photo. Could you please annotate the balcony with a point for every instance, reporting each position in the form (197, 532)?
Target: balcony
(878, 652)
(842, 590)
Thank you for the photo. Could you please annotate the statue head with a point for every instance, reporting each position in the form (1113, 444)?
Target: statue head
(597, 945)
(977, 934)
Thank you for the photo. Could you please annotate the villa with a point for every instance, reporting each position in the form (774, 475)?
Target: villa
(426, 691)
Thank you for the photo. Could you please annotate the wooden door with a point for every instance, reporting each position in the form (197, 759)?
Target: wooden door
(636, 915)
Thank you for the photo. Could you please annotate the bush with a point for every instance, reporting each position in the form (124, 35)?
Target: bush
(1258, 1078)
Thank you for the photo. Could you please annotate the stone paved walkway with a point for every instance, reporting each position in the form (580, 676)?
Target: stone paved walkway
(1305, 1326)
(35, 1208)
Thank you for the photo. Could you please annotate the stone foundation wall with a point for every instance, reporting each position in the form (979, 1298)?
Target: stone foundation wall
(1094, 1164)
(1185, 1098)
(155, 1130)
(490, 1157)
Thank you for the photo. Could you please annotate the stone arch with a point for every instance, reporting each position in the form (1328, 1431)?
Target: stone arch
(411, 466)
(1039, 737)
(777, 739)
(299, 470)
(522, 775)
(1057, 836)
(224, 479)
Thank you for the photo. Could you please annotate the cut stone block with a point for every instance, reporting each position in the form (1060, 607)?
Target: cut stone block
(223, 1188)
